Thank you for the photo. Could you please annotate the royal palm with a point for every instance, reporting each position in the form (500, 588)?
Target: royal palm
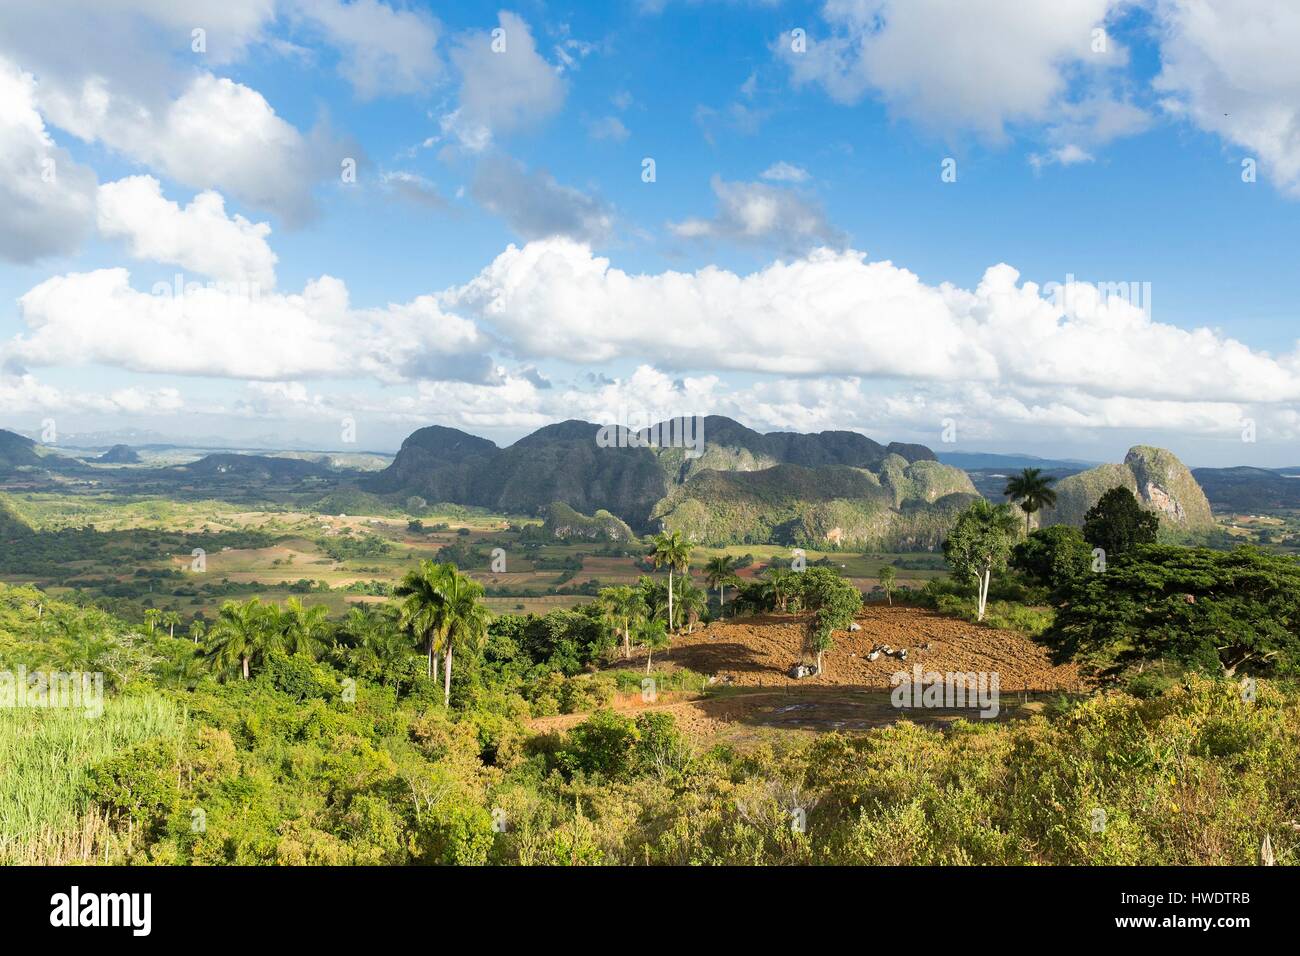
(718, 573)
(1032, 490)
(673, 552)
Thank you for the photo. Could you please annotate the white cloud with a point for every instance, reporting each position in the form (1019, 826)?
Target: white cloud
(536, 206)
(200, 236)
(505, 89)
(832, 313)
(217, 134)
(46, 200)
(783, 172)
(25, 395)
(1231, 68)
(952, 64)
(413, 188)
(213, 330)
(1067, 155)
(386, 50)
(762, 214)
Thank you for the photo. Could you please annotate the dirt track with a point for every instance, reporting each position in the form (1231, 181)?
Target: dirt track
(752, 695)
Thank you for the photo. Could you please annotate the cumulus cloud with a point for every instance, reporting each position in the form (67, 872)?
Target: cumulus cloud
(506, 85)
(836, 313)
(535, 205)
(236, 332)
(1230, 67)
(24, 395)
(920, 57)
(762, 214)
(386, 50)
(200, 236)
(217, 134)
(46, 200)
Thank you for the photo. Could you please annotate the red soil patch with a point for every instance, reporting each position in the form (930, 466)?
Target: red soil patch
(759, 651)
(753, 696)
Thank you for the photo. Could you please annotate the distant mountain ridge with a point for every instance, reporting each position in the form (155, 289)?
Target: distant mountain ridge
(989, 461)
(564, 462)
(1247, 489)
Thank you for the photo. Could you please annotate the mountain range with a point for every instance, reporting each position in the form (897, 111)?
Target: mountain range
(735, 486)
(590, 468)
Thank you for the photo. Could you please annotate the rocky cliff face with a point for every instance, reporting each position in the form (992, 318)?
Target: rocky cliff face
(906, 506)
(566, 463)
(1160, 482)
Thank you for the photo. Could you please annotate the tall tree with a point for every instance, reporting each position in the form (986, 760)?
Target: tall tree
(463, 622)
(652, 636)
(674, 552)
(626, 609)
(169, 620)
(244, 633)
(302, 628)
(423, 591)
(979, 544)
(783, 583)
(718, 573)
(692, 602)
(1117, 523)
(1032, 490)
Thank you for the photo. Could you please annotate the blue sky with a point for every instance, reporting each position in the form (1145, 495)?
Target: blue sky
(798, 261)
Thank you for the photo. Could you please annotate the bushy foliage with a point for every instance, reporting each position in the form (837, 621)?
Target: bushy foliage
(1117, 523)
(1053, 557)
(1213, 610)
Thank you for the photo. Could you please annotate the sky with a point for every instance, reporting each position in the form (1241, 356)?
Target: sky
(984, 225)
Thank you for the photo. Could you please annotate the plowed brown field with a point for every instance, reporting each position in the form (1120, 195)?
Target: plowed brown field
(753, 695)
(758, 651)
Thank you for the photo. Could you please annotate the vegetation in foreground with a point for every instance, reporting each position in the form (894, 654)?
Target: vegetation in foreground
(281, 736)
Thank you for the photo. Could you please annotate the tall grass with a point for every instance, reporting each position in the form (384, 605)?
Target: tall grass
(44, 755)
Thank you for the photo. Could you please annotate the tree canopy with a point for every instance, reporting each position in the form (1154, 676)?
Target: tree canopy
(1117, 523)
(1213, 610)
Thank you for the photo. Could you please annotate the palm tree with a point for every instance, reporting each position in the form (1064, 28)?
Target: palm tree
(654, 596)
(301, 628)
(718, 573)
(170, 619)
(242, 633)
(692, 601)
(652, 636)
(1033, 490)
(377, 647)
(151, 618)
(198, 627)
(424, 590)
(625, 608)
(674, 552)
(782, 583)
(462, 621)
